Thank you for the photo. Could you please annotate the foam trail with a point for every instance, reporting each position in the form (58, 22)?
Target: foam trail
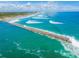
(73, 47)
(33, 22)
(48, 33)
(75, 42)
(70, 43)
(54, 22)
(62, 37)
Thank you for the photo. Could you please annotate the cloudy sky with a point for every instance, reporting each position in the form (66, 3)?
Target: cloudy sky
(25, 6)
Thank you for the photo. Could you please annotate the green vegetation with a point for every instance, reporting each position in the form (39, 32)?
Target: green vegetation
(9, 15)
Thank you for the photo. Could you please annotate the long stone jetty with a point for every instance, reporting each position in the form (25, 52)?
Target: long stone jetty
(44, 32)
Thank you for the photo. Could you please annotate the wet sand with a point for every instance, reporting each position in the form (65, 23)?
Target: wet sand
(40, 31)
(44, 32)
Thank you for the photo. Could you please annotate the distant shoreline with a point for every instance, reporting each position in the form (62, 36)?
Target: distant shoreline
(44, 32)
(41, 31)
(14, 16)
(19, 18)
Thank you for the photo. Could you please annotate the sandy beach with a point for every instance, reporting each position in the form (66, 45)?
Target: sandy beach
(41, 31)
(20, 17)
(15, 17)
(44, 32)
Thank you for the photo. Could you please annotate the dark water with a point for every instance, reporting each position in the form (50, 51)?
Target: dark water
(17, 42)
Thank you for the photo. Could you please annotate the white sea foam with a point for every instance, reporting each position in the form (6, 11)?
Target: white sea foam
(33, 22)
(73, 47)
(12, 21)
(67, 54)
(40, 17)
(75, 42)
(54, 22)
(17, 44)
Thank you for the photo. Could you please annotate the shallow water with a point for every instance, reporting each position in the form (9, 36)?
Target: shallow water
(17, 42)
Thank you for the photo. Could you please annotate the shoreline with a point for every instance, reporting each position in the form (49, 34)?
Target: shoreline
(39, 31)
(44, 32)
(17, 18)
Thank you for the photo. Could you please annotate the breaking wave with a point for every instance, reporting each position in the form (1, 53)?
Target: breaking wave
(40, 16)
(33, 22)
(72, 49)
(54, 22)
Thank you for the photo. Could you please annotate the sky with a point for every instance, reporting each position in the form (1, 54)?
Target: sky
(29, 6)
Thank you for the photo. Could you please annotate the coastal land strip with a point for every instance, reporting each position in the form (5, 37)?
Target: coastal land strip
(12, 18)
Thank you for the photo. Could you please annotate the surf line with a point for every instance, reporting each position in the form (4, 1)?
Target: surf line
(44, 32)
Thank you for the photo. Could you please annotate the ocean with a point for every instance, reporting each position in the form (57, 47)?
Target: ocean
(17, 42)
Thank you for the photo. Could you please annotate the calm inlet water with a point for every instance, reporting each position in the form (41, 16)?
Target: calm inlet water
(18, 42)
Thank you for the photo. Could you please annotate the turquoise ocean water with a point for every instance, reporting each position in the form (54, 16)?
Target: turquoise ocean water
(18, 42)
